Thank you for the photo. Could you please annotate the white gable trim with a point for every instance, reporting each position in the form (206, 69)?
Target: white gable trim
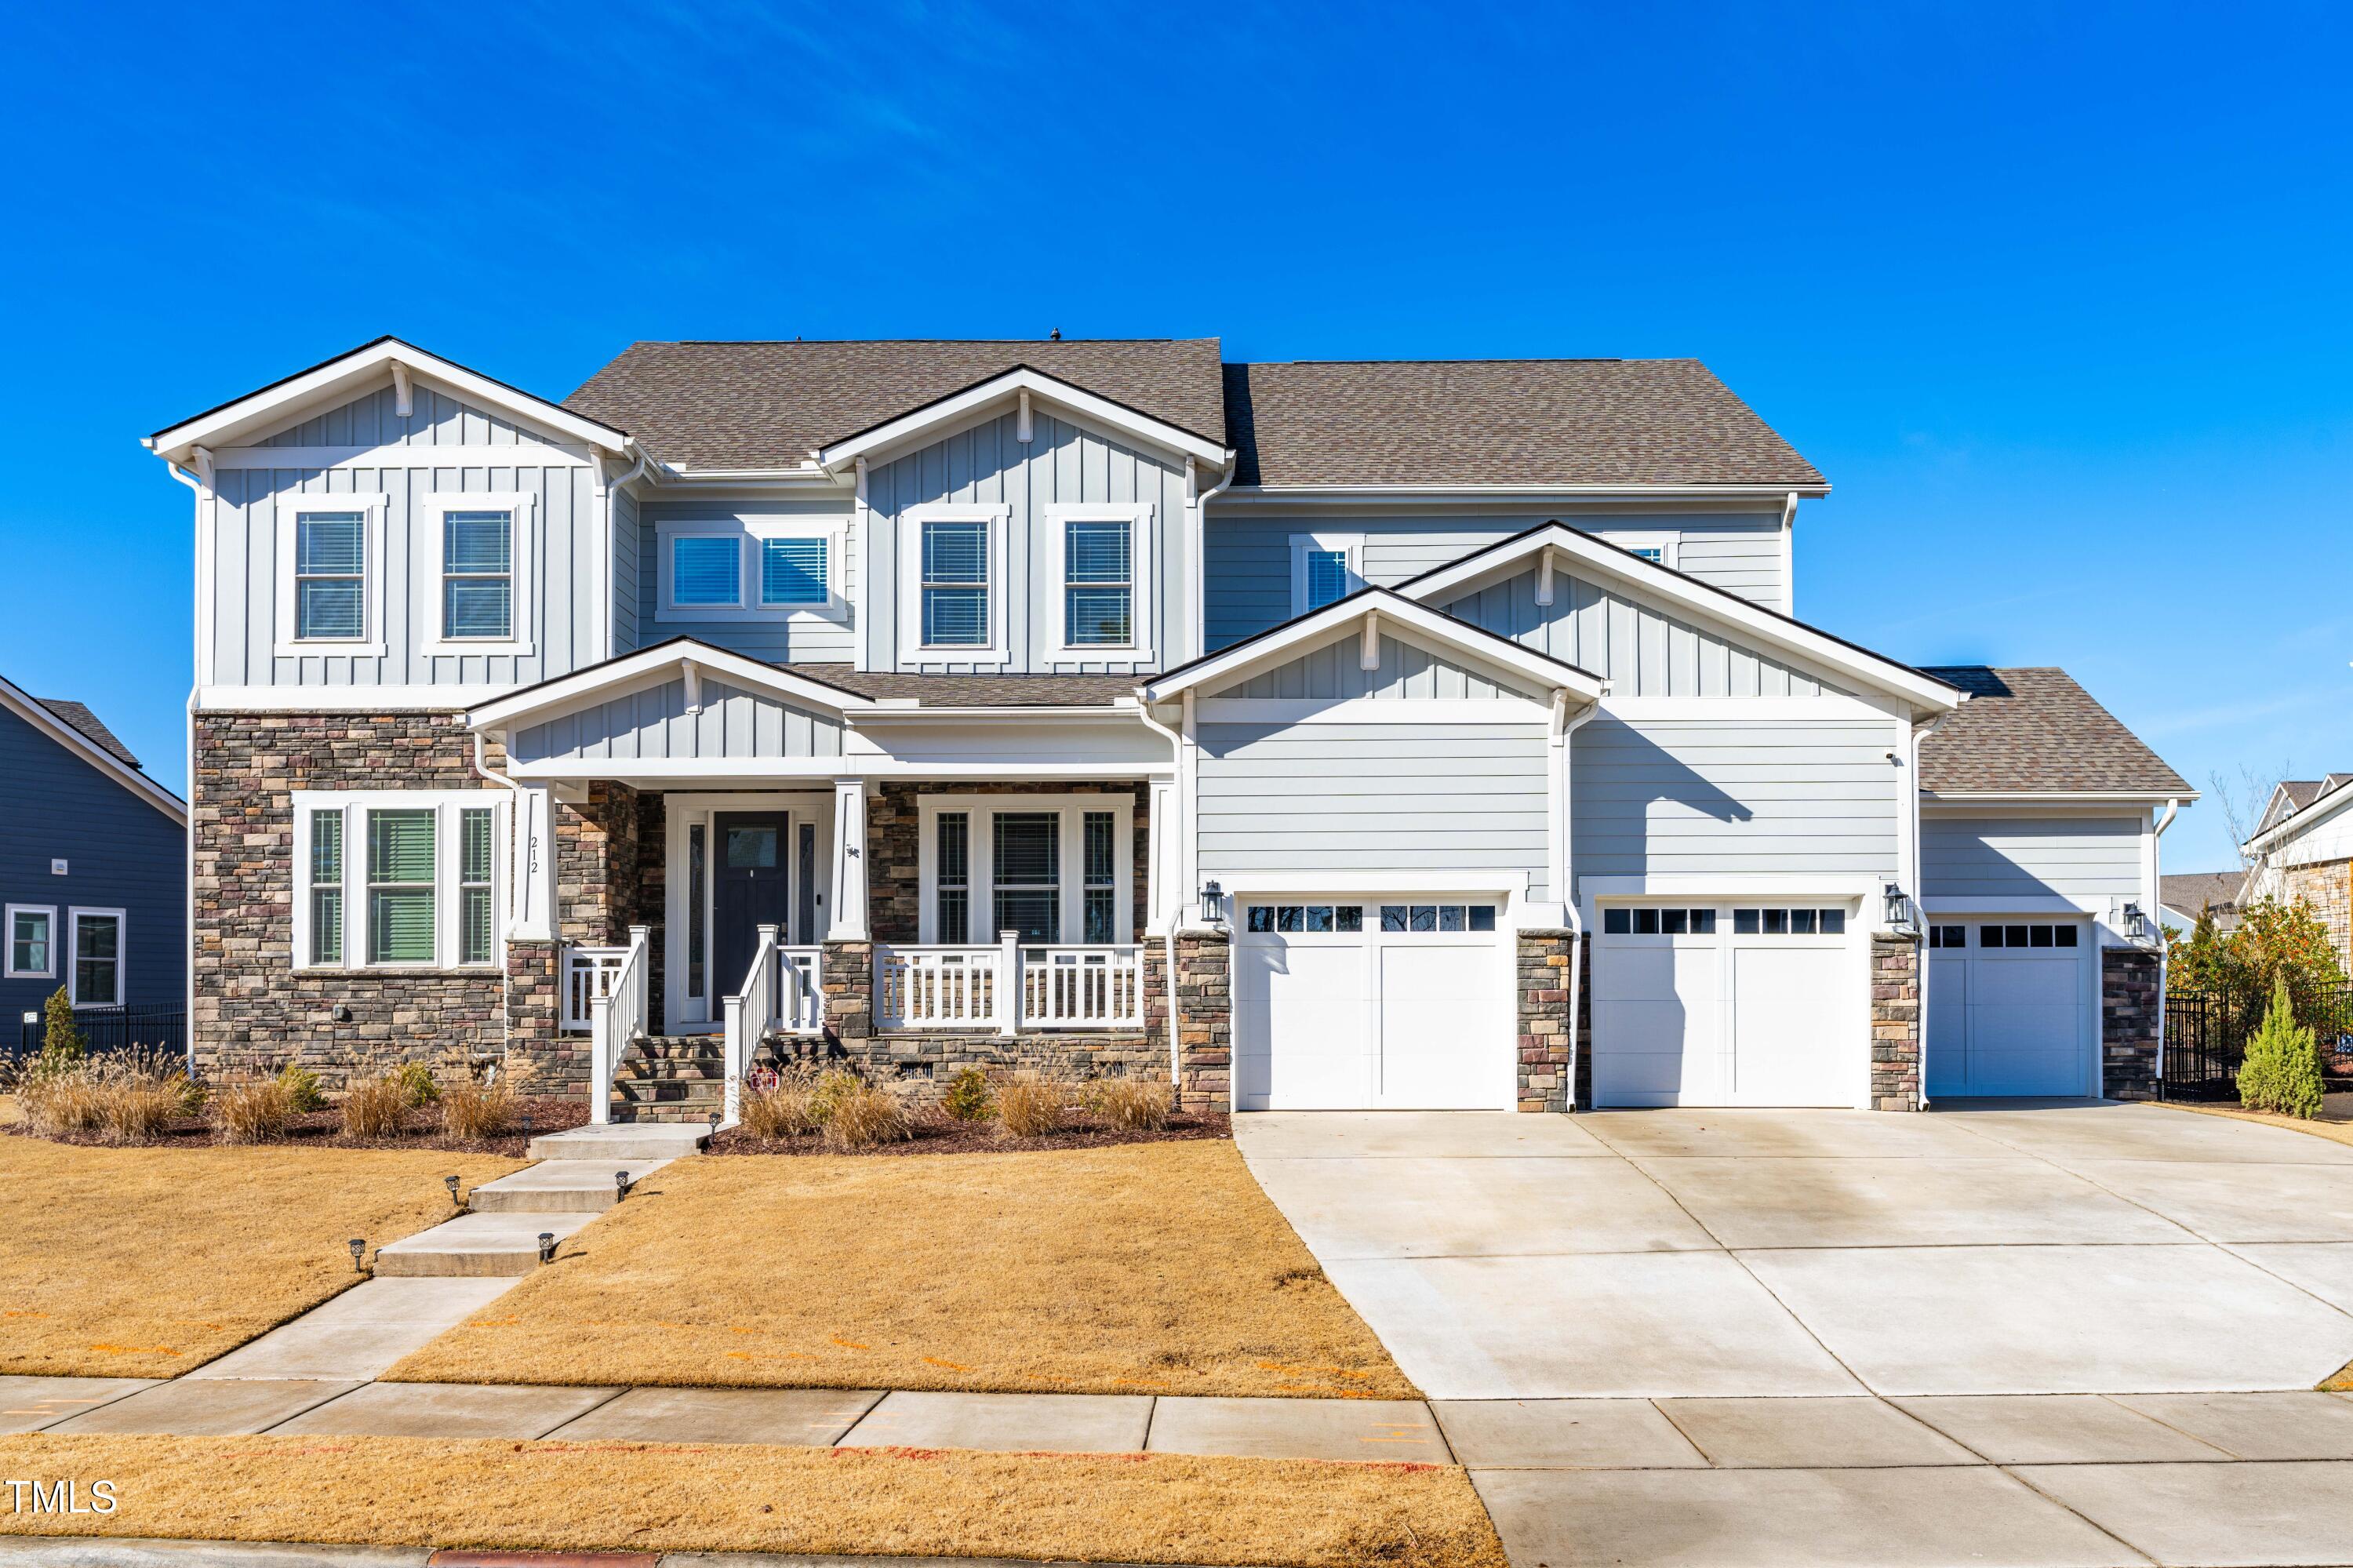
(1372, 612)
(2296, 824)
(913, 427)
(386, 361)
(32, 712)
(679, 658)
(1656, 583)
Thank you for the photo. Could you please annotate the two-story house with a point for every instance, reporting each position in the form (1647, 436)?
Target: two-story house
(1357, 734)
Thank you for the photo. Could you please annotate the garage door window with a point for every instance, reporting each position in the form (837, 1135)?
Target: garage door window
(1948, 936)
(2026, 936)
(1412, 917)
(1788, 922)
(1306, 919)
(1658, 922)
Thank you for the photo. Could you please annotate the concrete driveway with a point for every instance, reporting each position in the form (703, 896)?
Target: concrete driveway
(2076, 1334)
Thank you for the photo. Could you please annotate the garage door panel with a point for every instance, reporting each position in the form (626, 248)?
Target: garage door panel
(1655, 1024)
(1948, 1034)
(2026, 1016)
(1311, 1000)
(1786, 1027)
(1441, 1016)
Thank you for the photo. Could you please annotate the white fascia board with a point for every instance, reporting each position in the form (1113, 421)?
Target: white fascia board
(1775, 492)
(364, 368)
(633, 671)
(882, 713)
(1960, 800)
(1269, 648)
(1691, 598)
(32, 712)
(756, 773)
(2322, 806)
(912, 426)
(386, 699)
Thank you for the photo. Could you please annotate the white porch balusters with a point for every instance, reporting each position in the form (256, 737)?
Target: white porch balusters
(750, 1013)
(615, 1018)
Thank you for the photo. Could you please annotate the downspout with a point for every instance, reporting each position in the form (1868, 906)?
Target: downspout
(1197, 569)
(1168, 923)
(613, 545)
(514, 810)
(188, 838)
(2164, 947)
(1920, 733)
(1568, 728)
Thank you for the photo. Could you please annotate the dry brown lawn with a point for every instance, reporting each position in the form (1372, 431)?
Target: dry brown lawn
(408, 1491)
(147, 1262)
(2336, 1131)
(1143, 1268)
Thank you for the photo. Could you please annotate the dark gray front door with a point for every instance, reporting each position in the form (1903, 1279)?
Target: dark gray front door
(754, 857)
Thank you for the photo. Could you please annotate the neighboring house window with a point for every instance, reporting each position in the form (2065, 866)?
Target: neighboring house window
(792, 571)
(330, 565)
(397, 879)
(1054, 868)
(1102, 559)
(706, 572)
(1324, 567)
(32, 942)
(748, 569)
(951, 588)
(955, 585)
(95, 961)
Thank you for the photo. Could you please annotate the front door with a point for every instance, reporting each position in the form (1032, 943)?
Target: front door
(753, 877)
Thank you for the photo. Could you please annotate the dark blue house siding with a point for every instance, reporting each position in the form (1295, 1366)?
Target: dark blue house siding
(121, 853)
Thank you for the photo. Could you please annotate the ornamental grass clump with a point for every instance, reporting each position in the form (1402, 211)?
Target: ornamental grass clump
(251, 1110)
(1131, 1105)
(1028, 1108)
(786, 1108)
(471, 1110)
(967, 1097)
(143, 1091)
(376, 1107)
(2282, 1071)
(57, 1097)
(302, 1091)
(863, 1116)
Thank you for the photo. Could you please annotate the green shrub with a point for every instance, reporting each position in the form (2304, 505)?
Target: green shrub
(967, 1097)
(2282, 1072)
(302, 1091)
(62, 1042)
(833, 1090)
(417, 1079)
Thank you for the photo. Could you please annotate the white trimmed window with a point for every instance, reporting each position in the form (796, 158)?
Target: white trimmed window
(397, 879)
(1102, 562)
(481, 546)
(330, 553)
(32, 941)
(952, 583)
(1059, 869)
(95, 959)
(746, 568)
(1324, 567)
(1658, 549)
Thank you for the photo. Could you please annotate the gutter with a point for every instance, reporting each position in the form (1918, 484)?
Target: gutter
(613, 540)
(2164, 947)
(1920, 733)
(1197, 592)
(188, 833)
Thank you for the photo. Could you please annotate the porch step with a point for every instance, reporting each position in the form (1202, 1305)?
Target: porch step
(707, 1092)
(559, 1187)
(662, 1069)
(614, 1147)
(679, 1047)
(497, 1244)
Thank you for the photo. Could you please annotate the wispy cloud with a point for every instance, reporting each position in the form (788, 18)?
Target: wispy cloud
(2190, 720)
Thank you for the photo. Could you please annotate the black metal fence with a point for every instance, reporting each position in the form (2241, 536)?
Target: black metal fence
(2206, 1035)
(105, 1029)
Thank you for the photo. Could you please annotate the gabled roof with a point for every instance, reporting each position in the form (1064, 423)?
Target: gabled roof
(108, 756)
(673, 659)
(2036, 732)
(1533, 423)
(1688, 595)
(980, 691)
(2290, 796)
(921, 424)
(347, 375)
(1422, 623)
(2195, 892)
(82, 719)
(2312, 802)
(753, 406)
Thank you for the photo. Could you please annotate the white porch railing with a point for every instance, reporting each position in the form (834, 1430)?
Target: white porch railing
(800, 993)
(1008, 988)
(780, 992)
(615, 1019)
(587, 974)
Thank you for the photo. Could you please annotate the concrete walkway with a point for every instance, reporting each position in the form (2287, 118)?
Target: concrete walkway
(61, 1552)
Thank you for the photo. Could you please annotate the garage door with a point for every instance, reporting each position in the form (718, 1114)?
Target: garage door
(2009, 1008)
(1372, 1004)
(1729, 1005)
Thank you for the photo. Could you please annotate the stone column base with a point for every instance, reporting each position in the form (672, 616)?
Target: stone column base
(846, 975)
(1205, 1022)
(2128, 1040)
(1894, 1023)
(1541, 990)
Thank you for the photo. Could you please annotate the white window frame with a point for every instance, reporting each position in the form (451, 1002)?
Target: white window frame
(1351, 545)
(1667, 544)
(286, 510)
(1141, 584)
(980, 882)
(912, 650)
(751, 532)
(8, 957)
(448, 847)
(432, 512)
(73, 953)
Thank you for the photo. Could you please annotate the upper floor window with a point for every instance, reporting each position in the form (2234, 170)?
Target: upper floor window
(706, 571)
(1658, 549)
(1324, 567)
(792, 571)
(478, 574)
(951, 588)
(955, 585)
(1102, 559)
(747, 569)
(330, 574)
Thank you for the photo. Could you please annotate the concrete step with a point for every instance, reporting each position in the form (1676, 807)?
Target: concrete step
(559, 1187)
(476, 1245)
(671, 1047)
(675, 1069)
(615, 1145)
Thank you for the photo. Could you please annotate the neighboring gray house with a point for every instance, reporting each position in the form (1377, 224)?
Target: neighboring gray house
(2185, 895)
(2303, 849)
(1433, 735)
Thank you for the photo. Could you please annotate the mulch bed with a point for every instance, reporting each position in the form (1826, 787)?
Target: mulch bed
(324, 1130)
(939, 1134)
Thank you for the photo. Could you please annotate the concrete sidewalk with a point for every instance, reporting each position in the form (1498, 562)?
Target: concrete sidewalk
(62, 1551)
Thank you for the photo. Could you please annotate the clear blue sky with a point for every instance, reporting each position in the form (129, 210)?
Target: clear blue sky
(2057, 296)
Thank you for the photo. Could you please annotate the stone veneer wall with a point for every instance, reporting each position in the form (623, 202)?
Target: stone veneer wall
(894, 894)
(1894, 1023)
(1205, 1022)
(1541, 987)
(2327, 887)
(2128, 1023)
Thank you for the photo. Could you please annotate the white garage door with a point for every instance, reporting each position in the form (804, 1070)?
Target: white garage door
(2009, 1008)
(1370, 1003)
(1730, 1004)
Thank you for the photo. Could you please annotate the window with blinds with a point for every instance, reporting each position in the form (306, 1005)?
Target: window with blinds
(478, 574)
(952, 875)
(474, 885)
(1328, 577)
(955, 596)
(1099, 584)
(706, 570)
(326, 888)
(331, 577)
(1027, 871)
(400, 855)
(792, 571)
(1100, 834)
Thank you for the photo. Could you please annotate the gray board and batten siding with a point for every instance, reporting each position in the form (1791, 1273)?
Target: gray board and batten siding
(1336, 673)
(2033, 858)
(774, 635)
(566, 580)
(733, 725)
(1248, 551)
(1063, 463)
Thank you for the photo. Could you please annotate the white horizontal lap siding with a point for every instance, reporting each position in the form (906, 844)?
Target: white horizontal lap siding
(2030, 857)
(775, 636)
(1370, 797)
(733, 725)
(1732, 796)
(1063, 464)
(1337, 671)
(1740, 555)
(1640, 650)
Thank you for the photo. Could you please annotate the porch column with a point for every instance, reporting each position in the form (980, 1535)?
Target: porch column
(849, 921)
(530, 892)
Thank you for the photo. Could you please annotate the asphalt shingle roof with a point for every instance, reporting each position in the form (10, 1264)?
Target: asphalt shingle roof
(978, 691)
(1500, 421)
(2192, 892)
(79, 717)
(2035, 731)
(768, 405)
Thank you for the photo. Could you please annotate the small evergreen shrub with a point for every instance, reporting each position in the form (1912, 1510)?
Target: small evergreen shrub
(836, 1088)
(302, 1091)
(967, 1097)
(2282, 1071)
(62, 1040)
